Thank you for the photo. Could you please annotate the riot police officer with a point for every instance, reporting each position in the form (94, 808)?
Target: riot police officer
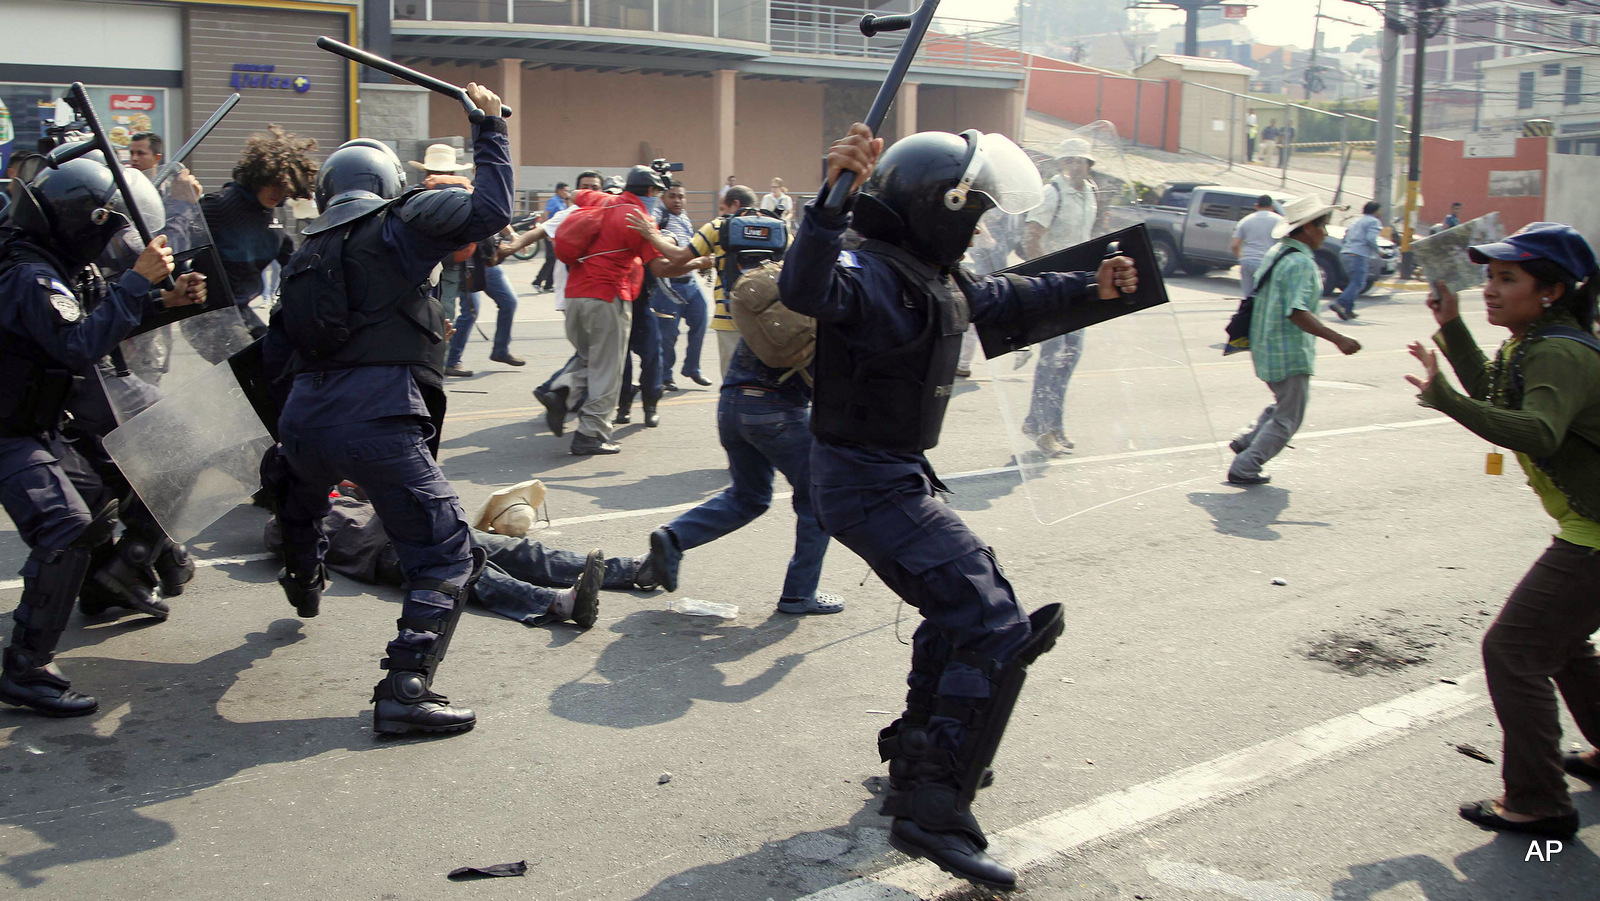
(56, 320)
(367, 397)
(891, 315)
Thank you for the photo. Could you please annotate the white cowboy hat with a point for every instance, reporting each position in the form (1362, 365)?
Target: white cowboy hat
(440, 158)
(510, 511)
(1075, 147)
(1300, 210)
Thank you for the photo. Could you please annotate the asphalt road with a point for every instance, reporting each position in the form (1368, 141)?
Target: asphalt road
(1188, 739)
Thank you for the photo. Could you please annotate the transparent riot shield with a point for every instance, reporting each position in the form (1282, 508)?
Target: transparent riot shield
(1113, 411)
(174, 346)
(193, 455)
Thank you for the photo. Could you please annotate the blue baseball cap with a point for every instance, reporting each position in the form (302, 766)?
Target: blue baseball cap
(1560, 244)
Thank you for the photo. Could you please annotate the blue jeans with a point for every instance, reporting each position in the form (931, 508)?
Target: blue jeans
(761, 434)
(685, 302)
(1058, 357)
(499, 289)
(644, 339)
(1355, 270)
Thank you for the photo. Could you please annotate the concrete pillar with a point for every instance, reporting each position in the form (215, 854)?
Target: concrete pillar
(724, 118)
(905, 111)
(1016, 118)
(511, 94)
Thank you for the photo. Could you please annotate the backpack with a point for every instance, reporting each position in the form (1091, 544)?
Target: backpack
(1239, 325)
(779, 337)
(748, 240)
(580, 229)
(311, 294)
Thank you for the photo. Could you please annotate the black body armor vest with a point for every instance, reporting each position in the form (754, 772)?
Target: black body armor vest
(387, 320)
(894, 400)
(36, 389)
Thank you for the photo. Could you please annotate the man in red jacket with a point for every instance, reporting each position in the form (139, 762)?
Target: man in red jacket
(599, 288)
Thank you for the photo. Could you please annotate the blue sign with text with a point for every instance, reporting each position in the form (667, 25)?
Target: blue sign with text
(264, 75)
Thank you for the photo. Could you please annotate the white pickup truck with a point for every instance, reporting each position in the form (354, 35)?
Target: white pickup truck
(1191, 230)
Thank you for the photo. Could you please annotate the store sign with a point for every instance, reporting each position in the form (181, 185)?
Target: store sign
(141, 102)
(1234, 10)
(264, 75)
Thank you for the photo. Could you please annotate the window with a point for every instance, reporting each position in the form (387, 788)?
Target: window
(1574, 86)
(1524, 90)
(1552, 69)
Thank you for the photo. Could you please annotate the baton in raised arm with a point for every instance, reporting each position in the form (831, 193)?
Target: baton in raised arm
(917, 24)
(170, 167)
(79, 98)
(412, 75)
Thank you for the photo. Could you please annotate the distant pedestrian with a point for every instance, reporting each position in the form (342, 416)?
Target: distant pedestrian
(1283, 336)
(779, 201)
(1359, 256)
(545, 280)
(1252, 238)
(1454, 219)
(1539, 397)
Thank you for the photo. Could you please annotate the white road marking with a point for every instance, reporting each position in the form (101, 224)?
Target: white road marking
(953, 477)
(1146, 804)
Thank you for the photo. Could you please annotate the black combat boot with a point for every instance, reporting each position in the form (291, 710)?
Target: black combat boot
(651, 417)
(624, 406)
(174, 569)
(127, 579)
(28, 677)
(405, 700)
(34, 681)
(304, 592)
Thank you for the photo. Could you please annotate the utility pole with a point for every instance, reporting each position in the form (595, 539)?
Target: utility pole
(1427, 13)
(1191, 24)
(1316, 44)
(1388, 90)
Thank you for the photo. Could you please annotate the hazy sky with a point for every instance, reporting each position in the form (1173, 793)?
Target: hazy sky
(1271, 21)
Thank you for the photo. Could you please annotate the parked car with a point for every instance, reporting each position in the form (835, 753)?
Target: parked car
(1191, 230)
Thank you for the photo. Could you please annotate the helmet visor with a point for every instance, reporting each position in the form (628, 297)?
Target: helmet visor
(145, 198)
(1002, 172)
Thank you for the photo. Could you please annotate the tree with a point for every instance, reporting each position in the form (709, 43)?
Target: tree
(1056, 22)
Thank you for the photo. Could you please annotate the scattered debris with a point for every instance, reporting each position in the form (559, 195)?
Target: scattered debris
(1069, 681)
(462, 874)
(663, 779)
(1449, 681)
(1088, 761)
(883, 712)
(1359, 656)
(1280, 581)
(1474, 753)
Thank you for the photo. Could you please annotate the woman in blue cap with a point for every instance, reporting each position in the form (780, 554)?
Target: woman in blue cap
(1540, 397)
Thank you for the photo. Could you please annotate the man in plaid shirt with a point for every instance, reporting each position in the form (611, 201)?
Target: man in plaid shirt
(1284, 329)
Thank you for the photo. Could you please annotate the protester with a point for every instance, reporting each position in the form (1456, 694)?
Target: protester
(1284, 330)
(485, 265)
(1360, 257)
(1454, 219)
(1540, 398)
(600, 288)
(523, 581)
(1252, 238)
(274, 166)
(763, 420)
(1250, 132)
(1064, 219)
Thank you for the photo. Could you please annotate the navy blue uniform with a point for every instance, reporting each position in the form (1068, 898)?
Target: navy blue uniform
(882, 504)
(38, 308)
(372, 424)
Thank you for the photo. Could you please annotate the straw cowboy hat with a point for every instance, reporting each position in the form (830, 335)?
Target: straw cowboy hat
(510, 511)
(440, 158)
(1075, 148)
(1300, 210)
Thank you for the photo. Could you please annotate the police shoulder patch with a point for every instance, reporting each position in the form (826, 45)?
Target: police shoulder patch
(847, 259)
(61, 299)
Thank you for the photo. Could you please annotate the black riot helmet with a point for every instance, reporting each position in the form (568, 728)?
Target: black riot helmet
(929, 191)
(75, 209)
(641, 179)
(354, 180)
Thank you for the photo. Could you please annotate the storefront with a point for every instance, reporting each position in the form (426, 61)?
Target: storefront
(165, 66)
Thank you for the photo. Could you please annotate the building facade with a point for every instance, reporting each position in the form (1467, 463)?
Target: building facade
(165, 66)
(1562, 88)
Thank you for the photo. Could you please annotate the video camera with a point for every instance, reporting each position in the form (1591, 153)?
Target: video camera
(665, 169)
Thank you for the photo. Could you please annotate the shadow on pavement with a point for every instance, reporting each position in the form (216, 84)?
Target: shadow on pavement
(665, 490)
(87, 787)
(980, 492)
(1249, 513)
(663, 662)
(793, 867)
(1502, 870)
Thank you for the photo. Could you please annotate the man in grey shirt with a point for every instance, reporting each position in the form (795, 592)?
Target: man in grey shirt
(1252, 238)
(1359, 255)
